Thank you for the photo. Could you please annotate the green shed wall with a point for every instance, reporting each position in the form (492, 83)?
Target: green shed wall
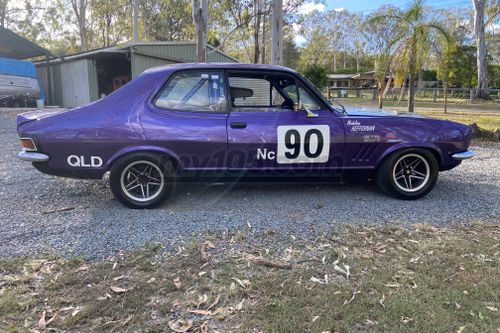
(55, 97)
(174, 52)
(93, 82)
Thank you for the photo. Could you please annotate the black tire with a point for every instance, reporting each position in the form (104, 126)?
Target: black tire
(395, 174)
(130, 181)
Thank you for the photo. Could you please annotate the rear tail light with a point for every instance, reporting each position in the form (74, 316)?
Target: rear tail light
(28, 144)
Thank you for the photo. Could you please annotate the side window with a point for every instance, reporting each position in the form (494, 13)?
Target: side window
(246, 91)
(262, 92)
(194, 91)
(308, 100)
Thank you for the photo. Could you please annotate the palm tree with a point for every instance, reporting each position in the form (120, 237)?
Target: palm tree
(412, 42)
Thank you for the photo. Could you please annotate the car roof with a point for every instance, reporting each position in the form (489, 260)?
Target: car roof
(219, 65)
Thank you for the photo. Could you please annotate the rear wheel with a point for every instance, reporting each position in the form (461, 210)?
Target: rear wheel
(408, 174)
(142, 180)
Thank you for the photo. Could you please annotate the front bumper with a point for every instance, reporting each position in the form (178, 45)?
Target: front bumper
(32, 156)
(465, 155)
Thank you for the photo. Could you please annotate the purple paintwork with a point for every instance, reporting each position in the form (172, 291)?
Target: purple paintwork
(127, 121)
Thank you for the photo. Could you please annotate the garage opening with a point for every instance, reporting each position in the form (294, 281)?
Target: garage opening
(113, 71)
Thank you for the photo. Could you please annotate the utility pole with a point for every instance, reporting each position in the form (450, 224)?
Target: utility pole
(136, 22)
(200, 18)
(276, 32)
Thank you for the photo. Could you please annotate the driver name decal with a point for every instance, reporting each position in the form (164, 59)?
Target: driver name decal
(357, 127)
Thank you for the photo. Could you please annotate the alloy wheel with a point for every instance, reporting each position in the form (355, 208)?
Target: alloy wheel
(411, 172)
(142, 181)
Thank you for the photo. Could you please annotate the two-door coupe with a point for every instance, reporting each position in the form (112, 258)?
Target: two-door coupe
(235, 120)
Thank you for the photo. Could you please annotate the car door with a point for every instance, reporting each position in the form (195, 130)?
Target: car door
(189, 119)
(267, 131)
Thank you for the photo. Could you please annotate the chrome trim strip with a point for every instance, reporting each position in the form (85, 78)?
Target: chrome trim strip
(464, 155)
(31, 156)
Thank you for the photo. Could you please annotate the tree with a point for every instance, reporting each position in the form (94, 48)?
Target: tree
(412, 42)
(380, 35)
(80, 10)
(277, 32)
(317, 75)
(3, 12)
(482, 78)
(200, 18)
(291, 54)
(479, 28)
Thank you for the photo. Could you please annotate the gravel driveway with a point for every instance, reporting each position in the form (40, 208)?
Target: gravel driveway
(98, 226)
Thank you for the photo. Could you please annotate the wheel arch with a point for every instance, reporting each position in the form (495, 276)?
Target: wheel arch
(393, 149)
(170, 155)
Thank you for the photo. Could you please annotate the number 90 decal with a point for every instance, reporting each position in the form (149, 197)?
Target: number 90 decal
(303, 144)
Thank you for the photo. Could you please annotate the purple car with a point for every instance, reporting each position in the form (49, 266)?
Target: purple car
(235, 121)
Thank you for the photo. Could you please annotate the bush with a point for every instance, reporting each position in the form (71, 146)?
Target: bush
(317, 75)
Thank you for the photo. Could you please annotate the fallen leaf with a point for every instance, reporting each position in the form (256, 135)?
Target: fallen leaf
(381, 301)
(75, 312)
(125, 322)
(201, 312)
(102, 298)
(392, 285)
(272, 263)
(217, 299)
(154, 315)
(243, 283)
(180, 325)
(51, 319)
(177, 283)
(151, 280)
(341, 270)
(239, 307)
(118, 290)
(83, 268)
(316, 280)
(460, 329)
(315, 318)
(492, 308)
(42, 323)
(114, 265)
(380, 247)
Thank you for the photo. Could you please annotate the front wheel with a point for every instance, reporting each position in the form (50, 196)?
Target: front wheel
(408, 174)
(142, 180)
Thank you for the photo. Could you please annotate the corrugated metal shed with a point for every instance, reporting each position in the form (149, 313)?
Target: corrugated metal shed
(147, 55)
(106, 64)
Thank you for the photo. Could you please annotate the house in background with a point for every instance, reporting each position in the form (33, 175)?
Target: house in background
(359, 80)
(85, 77)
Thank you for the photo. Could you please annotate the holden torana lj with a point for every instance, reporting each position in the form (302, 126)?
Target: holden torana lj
(235, 120)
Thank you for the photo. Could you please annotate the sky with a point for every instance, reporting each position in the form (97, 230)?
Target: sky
(367, 6)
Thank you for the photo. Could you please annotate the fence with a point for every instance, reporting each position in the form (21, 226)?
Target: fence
(423, 94)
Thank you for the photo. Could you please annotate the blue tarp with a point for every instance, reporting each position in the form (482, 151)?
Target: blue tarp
(17, 67)
(20, 68)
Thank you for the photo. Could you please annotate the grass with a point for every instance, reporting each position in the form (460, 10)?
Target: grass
(377, 279)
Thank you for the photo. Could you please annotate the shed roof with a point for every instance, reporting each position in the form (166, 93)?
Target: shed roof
(129, 47)
(14, 46)
(339, 76)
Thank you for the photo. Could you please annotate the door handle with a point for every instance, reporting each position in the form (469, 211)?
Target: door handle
(238, 125)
